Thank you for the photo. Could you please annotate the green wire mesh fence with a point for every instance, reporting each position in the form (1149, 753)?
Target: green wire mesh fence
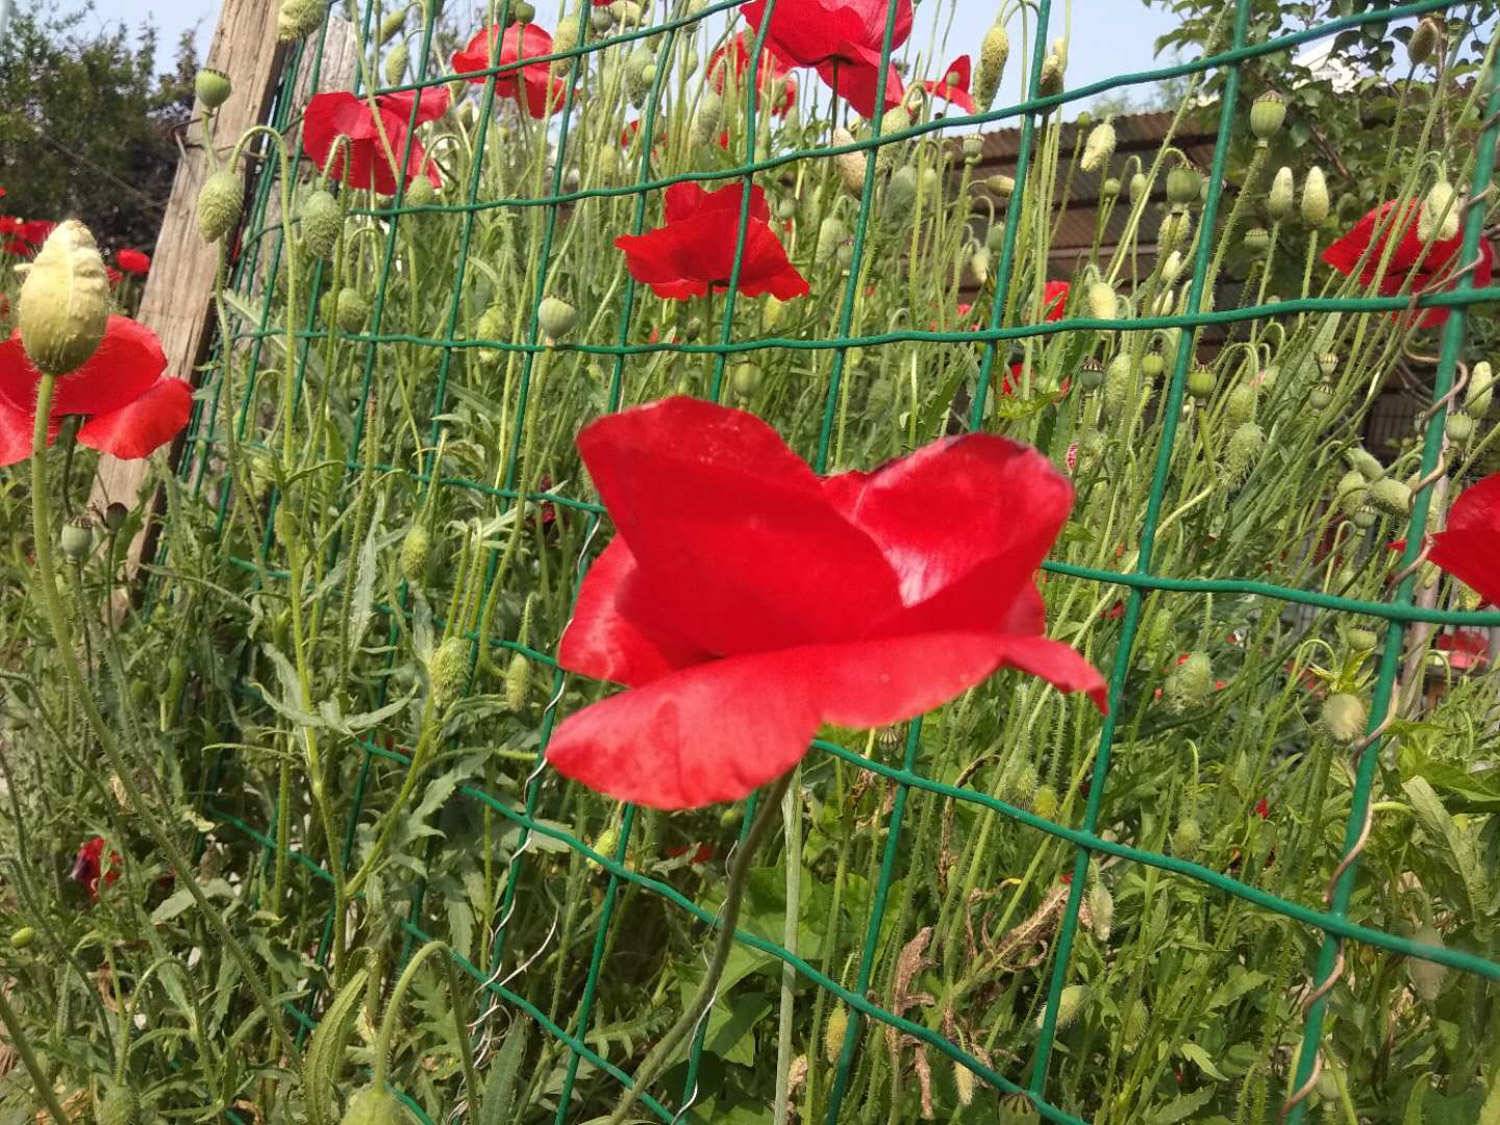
(296, 348)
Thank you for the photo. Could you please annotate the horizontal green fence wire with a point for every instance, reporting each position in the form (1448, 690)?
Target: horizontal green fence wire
(1030, 1081)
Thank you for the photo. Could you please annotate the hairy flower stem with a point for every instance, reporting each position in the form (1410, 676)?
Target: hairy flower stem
(768, 812)
(46, 576)
(17, 1037)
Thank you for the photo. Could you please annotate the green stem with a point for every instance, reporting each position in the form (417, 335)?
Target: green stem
(22, 1045)
(46, 566)
(734, 895)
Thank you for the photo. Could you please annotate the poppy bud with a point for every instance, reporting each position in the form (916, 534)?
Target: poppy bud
(64, 303)
(1459, 427)
(115, 516)
(708, 117)
(491, 325)
(1246, 445)
(1183, 184)
(850, 166)
(1139, 186)
(1479, 395)
(831, 235)
(994, 50)
(963, 1084)
(322, 223)
(119, 1106)
(1314, 197)
(1102, 300)
(1267, 113)
(1353, 492)
(1360, 458)
(1069, 1004)
(372, 1107)
(556, 317)
(522, 11)
(771, 313)
(1391, 495)
(350, 310)
(1189, 683)
(1174, 231)
(1320, 397)
(565, 38)
(1240, 404)
(1361, 640)
(1000, 185)
(1109, 188)
(979, 265)
(607, 841)
(416, 553)
(745, 379)
(602, 19)
(220, 201)
(76, 538)
(1121, 388)
(1438, 218)
(1050, 81)
(1187, 839)
(1424, 41)
(391, 26)
(1091, 371)
(448, 670)
(1091, 444)
(1282, 196)
(22, 938)
(1200, 382)
(1344, 717)
(395, 64)
(1045, 802)
(900, 192)
(1426, 976)
(1257, 240)
(212, 87)
(1101, 908)
(1099, 147)
(297, 19)
(833, 1033)
(517, 682)
(1171, 267)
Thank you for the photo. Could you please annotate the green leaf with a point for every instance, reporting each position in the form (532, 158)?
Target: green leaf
(1183, 1106)
(1201, 1058)
(500, 1087)
(172, 906)
(1463, 852)
(325, 1053)
(362, 605)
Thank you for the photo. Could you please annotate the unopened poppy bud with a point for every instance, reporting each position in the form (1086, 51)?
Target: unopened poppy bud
(1314, 197)
(963, 1084)
(297, 19)
(1361, 640)
(1257, 240)
(76, 538)
(1122, 390)
(1479, 395)
(1200, 382)
(1102, 301)
(1459, 427)
(395, 64)
(1069, 1004)
(1171, 267)
(119, 1106)
(64, 305)
(1139, 185)
(350, 310)
(556, 317)
(850, 166)
(1187, 839)
(979, 265)
(602, 19)
(1361, 459)
(1189, 682)
(1109, 188)
(1246, 445)
(1176, 226)
(1164, 303)
(1437, 221)
(994, 50)
(448, 670)
(607, 841)
(1091, 371)
(1050, 81)
(220, 201)
(745, 378)
(1344, 717)
(416, 553)
(1283, 195)
(322, 223)
(1045, 802)
(833, 1033)
(1424, 41)
(1353, 492)
(1000, 185)
(900, 192)
(1391, 495)
(391, 26)
(1099, 147)
(831, 234)
(1240, 404)
(1426, 976)
(22, 938)
(517, 682)
(212, 87)
(564, 39)
(372, 1106)
(1183, 184)
(1101, 908)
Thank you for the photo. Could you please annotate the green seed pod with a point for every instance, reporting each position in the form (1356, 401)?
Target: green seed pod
(416, 554)
(1045, 802)
(1315, 202)
(120, 1106)
(1459, 427)
(1201, 382)
(972, 146)
(1139, 185)
(212, 87)
(297, 19)
(1099, 147)
(994, 51)
(1320, 397)
(1091, 371)
(448, 671)
(1344, 717)
(1366, 518)
(395, 64)
(1391, 495)
(1017, 1109)
(77, 538)
(22, 938)
(1359, 458)
(64, 304)
(1361, 640)
(1109, 188)
(1246, 445)
(1438, 218)
(1282, 196)
(1240, 404)
(517, 682)
(1267, 113)
(1189, 683)
(350, 310)
(1102, 301)
(1426, 976)
(523, 11)
(1187, 839)
(556, 317)
(1257, 240)
(850, 166)
(1425, 40)
(833, 1033)
(1479, 395)
(322, 223)
(1183, 185)
(373, 1107)
(745, 379)
(831, 235)
(220, 202)
(1152, 365)
(1000, 185)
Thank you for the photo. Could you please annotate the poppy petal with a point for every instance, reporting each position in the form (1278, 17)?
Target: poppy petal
(18, 379)
(15, 434)
(127, 363)
(1469, 547)
(738, 547)
(601, 642)
(135, 430)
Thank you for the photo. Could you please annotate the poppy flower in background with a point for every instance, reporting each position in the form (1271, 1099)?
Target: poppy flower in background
(1469, 547)
(532, 85)
(35, 231)
(89, 865)
(1263, 809)
(843, 39)
(1054, 300)
(694, 251)
(1407, 259)
(954, 85)
(129, 408)
(113, 275)
(133, 261)
(1466, 648)
(775, 72)
(745, 601)
(362, 161)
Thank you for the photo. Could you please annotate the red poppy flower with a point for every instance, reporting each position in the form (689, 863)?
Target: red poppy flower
(694, 251)
(1407, 259)
(89, 865)
(775, 72)
(363, 161)
(129, 408)
(133, 261)
(113, 275)
(842, 38)
(954, 85)
(532, 85)
(1263, 808)
(1469, 547)
(1466, 648)
(632, 130)
(745, 601)
(35, 231)
(1054, 300)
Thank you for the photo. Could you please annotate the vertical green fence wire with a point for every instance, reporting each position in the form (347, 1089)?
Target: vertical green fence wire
(518, 489)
